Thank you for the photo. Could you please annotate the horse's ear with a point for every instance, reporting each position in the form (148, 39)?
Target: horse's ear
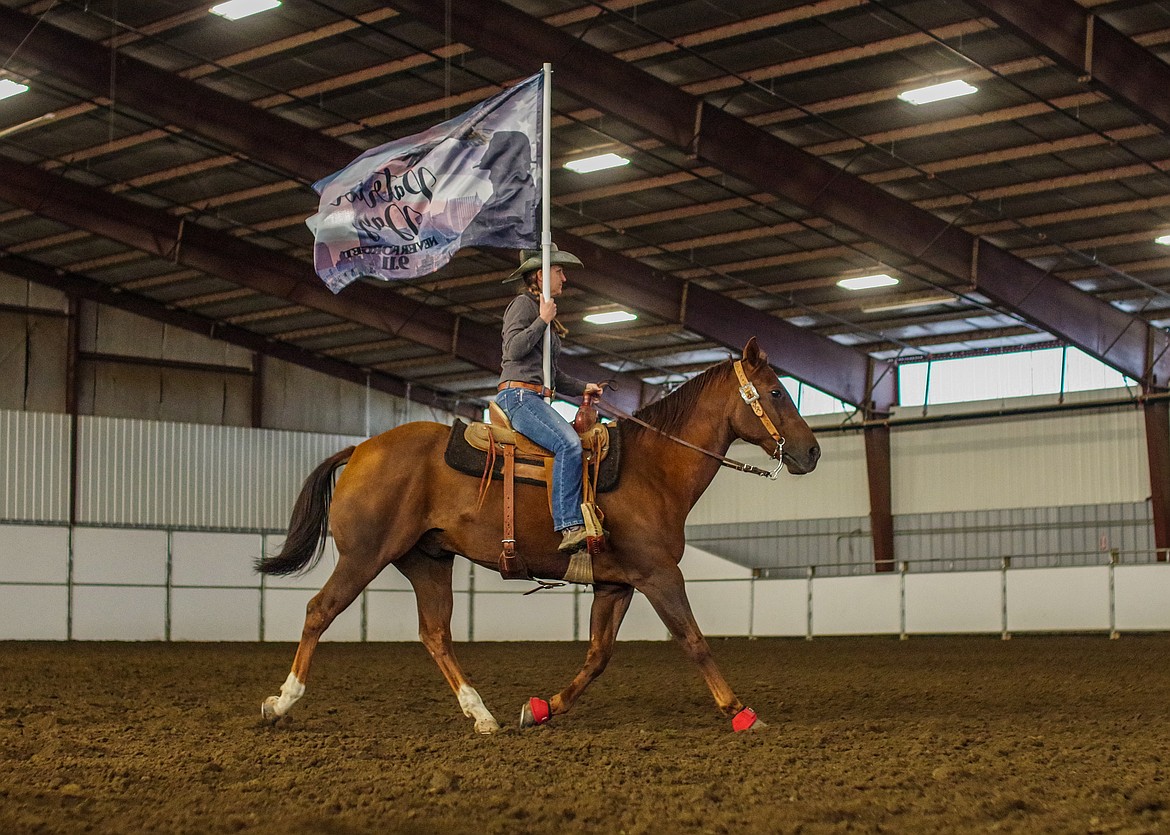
(753, 354)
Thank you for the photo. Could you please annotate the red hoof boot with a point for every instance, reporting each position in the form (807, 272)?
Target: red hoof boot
(536, 711)
(745, 720)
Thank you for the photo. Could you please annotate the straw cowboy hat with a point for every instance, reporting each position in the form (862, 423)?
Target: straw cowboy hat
(531, 259)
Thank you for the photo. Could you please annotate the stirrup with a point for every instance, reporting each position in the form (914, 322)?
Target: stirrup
(580, 568)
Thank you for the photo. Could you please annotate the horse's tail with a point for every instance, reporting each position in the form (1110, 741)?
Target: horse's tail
(309, 524)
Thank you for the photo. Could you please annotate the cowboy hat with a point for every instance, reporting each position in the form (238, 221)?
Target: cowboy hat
(532, 259)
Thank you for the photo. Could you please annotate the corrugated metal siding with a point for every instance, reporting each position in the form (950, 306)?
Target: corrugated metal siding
(34, 459)
(836, 488)
(1065, 459)
(787, 548)
(968, 540)
(1032, 537)
(136, 472)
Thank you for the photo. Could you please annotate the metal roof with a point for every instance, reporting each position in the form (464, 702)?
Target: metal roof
(770, 157)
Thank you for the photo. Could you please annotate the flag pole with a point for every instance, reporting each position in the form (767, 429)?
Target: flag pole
(546, 214)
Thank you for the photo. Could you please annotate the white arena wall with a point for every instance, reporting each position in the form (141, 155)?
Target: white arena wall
(119, 584)
(168, 518)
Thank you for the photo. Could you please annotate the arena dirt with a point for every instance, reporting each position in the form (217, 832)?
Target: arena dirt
(1039, 734)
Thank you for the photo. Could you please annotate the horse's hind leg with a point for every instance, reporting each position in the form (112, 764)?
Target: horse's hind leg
(610, 603)
(346, 582)
(431, 579)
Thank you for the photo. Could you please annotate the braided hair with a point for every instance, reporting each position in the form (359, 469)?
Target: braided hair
(531, 285)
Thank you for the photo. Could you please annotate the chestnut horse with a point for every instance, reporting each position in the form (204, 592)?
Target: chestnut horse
(398, 503)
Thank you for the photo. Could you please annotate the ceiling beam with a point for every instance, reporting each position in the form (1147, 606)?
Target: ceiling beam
(1091, 48)
(840, 371)
(234, 259)
(266, 271)
(234, 125)
(844, 373)
(83, 287)
(758, 157)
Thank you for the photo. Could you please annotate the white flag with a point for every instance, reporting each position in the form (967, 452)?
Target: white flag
(402, 210)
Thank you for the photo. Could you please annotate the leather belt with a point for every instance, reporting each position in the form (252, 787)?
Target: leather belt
(516, 384)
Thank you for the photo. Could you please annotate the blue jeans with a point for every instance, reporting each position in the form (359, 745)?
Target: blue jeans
(540, 422)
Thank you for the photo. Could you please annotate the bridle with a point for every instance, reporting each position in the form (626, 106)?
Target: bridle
(751, 396)
(747, 390)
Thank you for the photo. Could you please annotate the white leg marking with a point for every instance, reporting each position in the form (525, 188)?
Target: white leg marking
(273, 707)
(290, 692)
(473, 707)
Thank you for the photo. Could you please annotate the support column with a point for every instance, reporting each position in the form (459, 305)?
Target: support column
(1157, 412)
(881, 517)
(72, 396)
(72, 407)
(258, 390)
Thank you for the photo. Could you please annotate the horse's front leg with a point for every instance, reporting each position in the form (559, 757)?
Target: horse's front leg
(431, 579)
(610, 603)
(667, 593)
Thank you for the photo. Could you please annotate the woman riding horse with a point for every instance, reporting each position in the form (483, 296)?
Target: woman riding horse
(398, 503)
(521, 390)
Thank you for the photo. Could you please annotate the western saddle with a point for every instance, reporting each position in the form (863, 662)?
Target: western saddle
(524, 458)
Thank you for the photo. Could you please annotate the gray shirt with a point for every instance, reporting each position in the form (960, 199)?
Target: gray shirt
(523, 359)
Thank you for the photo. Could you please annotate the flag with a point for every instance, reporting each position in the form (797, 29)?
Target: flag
(403, 209)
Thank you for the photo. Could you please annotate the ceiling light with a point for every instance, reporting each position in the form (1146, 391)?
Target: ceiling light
(597, 163)
(610, 318)
(938, 92)
(235, 9)
(8, 87)
(865, 282)
(1164, 240)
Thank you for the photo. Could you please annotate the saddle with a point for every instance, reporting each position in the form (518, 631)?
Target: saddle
(532, 463)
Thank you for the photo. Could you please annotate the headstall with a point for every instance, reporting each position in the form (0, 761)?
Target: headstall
(747, 391)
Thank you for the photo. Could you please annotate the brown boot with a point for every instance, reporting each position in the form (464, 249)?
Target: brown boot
(572, 539)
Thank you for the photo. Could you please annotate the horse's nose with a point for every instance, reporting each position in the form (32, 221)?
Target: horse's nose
(814, 454)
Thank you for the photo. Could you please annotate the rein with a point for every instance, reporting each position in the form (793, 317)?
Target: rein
(751, 396)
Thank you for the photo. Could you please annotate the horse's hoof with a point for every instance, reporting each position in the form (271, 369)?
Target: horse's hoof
(487, 727)
(268, 710)
(536, 711)
(746, 720)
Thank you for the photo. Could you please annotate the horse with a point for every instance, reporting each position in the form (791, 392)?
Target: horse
(398, 503)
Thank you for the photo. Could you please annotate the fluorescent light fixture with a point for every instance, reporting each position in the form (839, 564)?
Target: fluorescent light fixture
(1164, 240)
(938, 92)
(597, 163)
(865, 282)
(235, 9)
(610, 318)
(8, 87)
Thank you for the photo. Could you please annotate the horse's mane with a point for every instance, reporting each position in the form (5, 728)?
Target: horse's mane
(668, 414)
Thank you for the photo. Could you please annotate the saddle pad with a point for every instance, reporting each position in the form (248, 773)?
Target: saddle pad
(465, 458)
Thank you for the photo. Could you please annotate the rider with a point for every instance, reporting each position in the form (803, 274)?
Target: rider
(521, 390)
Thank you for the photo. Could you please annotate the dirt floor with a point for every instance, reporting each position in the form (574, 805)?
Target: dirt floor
(1041, 734)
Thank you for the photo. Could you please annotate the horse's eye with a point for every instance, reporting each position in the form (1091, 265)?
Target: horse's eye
(777, 392)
